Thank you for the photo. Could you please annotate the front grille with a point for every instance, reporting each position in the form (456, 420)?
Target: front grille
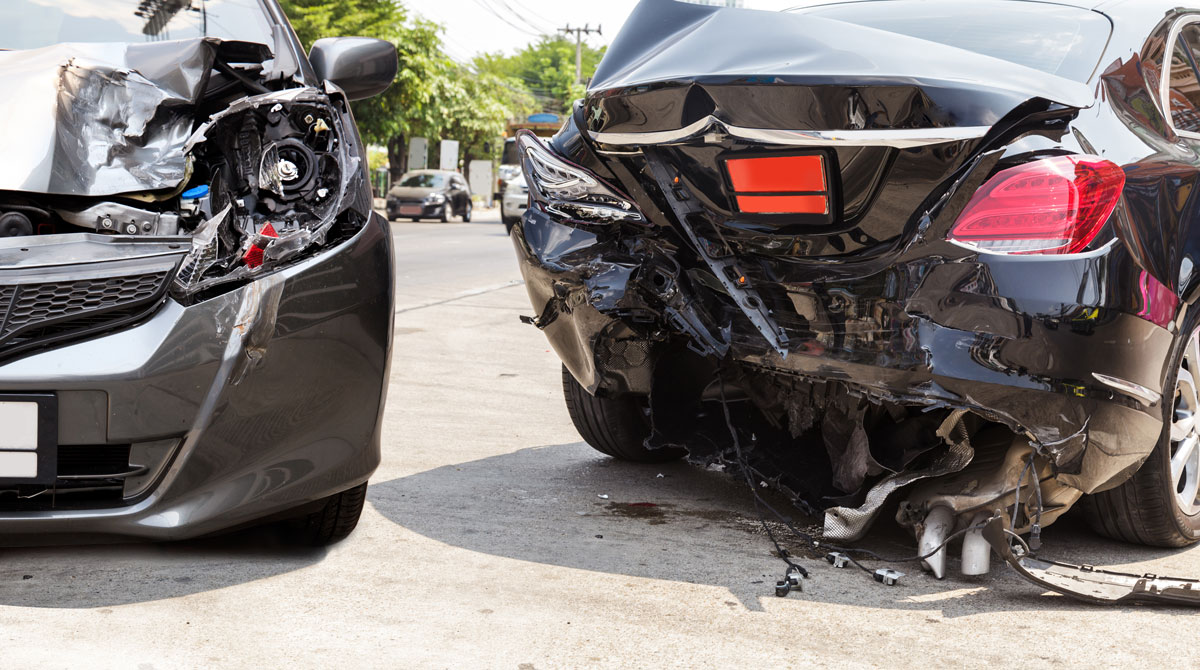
(35, 315)
(89, 477)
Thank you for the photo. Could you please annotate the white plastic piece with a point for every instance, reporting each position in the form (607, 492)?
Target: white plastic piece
(976, 552)
(938, 524)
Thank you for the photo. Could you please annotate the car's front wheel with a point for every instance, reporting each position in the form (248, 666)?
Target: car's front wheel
(1160, 505)
(445, 215)
(336, 518)
(467, 212)
(617, 427)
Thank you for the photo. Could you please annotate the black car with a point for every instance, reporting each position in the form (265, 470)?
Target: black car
(941, 250)
(196, 298)
(430, 194)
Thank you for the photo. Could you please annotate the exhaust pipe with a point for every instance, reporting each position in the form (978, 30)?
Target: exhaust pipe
(938, 525)
(976, 552)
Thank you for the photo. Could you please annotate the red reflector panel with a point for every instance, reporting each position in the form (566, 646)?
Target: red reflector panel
(783, 174)
(254, 255)
(783, 204)
(1050, 206)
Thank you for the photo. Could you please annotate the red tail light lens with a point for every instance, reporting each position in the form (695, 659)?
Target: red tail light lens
(1050, 206)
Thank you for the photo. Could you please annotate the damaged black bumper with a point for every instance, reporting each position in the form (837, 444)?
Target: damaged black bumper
(1043, 346)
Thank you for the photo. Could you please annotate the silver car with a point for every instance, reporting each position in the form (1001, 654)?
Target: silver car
(515, 200)
(195, 295)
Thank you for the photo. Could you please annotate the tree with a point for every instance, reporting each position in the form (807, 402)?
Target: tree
(409, 108)
(547, 68)
(477, 108)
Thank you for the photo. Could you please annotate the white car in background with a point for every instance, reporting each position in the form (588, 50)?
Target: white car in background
(515, 201)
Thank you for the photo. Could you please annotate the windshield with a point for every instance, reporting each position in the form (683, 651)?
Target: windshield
(1056, 39)
(29, 24)
(425, 180)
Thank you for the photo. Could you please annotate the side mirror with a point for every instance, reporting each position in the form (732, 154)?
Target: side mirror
(360, 66)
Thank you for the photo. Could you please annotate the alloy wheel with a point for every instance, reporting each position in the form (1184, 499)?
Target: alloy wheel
(1185, 431)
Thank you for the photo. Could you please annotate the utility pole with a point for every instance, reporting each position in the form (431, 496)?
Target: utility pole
(579, 33)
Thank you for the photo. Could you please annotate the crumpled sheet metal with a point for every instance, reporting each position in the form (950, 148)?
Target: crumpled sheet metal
(669, 41)
(847, 524)
(1088, 584)
(100, 119)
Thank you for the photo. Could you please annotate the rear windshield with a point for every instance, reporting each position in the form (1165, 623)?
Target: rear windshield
(1060, 40)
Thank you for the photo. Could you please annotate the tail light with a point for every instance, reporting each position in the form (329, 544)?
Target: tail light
(568, 190)
(1050, 206)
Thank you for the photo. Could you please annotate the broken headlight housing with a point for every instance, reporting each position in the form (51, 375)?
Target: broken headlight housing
(271, 176)
(570, 191)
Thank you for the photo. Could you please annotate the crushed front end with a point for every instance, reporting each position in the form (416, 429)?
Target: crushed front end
(810, 297)
(194, 293)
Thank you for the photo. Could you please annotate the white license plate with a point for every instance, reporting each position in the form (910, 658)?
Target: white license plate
(18, 440)
(411, 210)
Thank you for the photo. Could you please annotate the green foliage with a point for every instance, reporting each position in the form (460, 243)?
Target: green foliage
(432, 96)
(407, 108)
(376, 158)
(546, 68)
(477, 108)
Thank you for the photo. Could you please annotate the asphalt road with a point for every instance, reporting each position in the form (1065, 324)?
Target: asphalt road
(486, 544)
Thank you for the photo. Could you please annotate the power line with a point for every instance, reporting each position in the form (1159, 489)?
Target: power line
(483, 3)
(579, 33)
(523, 17)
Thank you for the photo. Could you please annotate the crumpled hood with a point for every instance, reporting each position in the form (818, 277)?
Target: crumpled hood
(99, 119)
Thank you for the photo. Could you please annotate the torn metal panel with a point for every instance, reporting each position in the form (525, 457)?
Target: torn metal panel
(845, 524)
(103, 119)
(1088, 583)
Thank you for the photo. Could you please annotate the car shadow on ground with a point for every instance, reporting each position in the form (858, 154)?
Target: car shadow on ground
(92, 576)
(566, 506)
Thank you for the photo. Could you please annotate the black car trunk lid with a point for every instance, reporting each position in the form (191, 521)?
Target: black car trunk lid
(812, 140)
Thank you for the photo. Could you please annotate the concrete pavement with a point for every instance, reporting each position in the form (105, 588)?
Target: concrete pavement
(486, 544)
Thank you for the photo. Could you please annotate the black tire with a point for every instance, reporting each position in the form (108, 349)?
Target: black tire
(617, 427)
(444, 217)
(1145, 509)
(415, 219)
(336, 519)
(466, 217)
(508, 224)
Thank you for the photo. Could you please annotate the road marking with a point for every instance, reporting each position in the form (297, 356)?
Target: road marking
(465, 294)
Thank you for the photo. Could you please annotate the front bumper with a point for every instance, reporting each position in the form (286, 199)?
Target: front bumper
(1048, 347)
(414, 210)
(515, 204)
(270, 396)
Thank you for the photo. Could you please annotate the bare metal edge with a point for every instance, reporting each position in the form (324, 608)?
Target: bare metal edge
(898, 138)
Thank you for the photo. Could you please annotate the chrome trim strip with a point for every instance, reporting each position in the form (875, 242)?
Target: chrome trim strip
(898, 138)
(1138, 391)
